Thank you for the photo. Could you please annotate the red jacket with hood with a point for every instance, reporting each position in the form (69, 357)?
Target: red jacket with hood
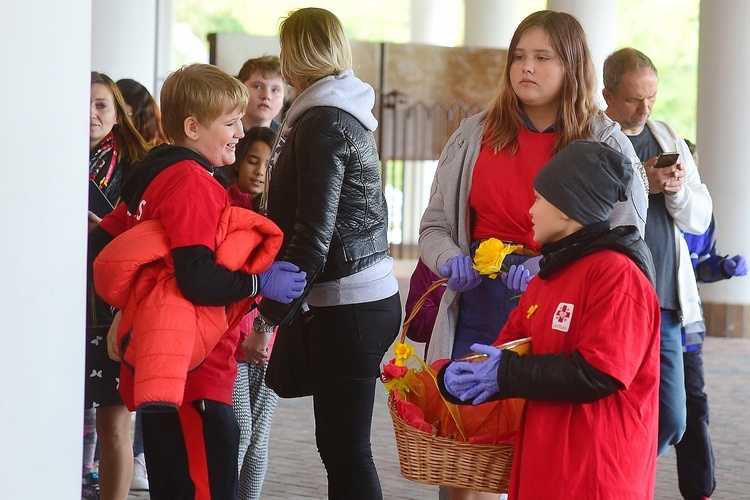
(162, 335)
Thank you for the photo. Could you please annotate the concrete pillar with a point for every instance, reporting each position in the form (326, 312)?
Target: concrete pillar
(434, 22)
(43, 198)
(165, 19)
(490, 23)
(722, 133)
(599, 20)
(123, 40)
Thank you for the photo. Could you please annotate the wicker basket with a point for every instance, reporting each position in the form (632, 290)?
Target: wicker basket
(430, 459)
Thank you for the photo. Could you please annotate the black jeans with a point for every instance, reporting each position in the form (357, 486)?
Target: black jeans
(192, 452)
(695, 456)
(347, 345)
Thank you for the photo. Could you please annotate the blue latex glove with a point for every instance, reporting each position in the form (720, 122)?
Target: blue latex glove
(461, 276)
(532, 265)
(475, 380)
(517, 278)
(735, 266)
(282, 282)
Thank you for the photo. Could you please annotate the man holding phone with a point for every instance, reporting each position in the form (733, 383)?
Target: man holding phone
(678, 201)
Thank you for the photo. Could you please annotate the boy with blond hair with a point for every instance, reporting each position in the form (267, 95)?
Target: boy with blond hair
(191, 452)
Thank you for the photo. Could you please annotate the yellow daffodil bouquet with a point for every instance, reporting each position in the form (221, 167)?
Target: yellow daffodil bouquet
(488, 259)
(396, 375)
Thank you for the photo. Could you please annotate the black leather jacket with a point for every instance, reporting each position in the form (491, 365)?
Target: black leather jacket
(325, 194)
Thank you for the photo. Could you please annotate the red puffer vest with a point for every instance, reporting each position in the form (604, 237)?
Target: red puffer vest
(162, 335)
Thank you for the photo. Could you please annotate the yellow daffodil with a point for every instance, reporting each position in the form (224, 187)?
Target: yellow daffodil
(403, 352)
(488, 259)
(531, 311)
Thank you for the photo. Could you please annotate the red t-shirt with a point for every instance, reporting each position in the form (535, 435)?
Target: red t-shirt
(188, 201)
(502, 189)
(603, 306)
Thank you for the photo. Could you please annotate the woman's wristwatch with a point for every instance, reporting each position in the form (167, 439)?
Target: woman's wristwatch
(260, 325)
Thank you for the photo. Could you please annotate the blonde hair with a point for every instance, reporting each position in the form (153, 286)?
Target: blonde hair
(313, 45)
(578, 107)
(202, 91)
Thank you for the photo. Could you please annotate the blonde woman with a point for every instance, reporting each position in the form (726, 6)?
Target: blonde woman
(324, 192)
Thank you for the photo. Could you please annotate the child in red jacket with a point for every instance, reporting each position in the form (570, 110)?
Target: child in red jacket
(192, 452)
(591, 383)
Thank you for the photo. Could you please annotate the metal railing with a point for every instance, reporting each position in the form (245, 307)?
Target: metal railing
(412, 136)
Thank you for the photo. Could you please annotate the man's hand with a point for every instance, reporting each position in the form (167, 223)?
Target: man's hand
(667, 180)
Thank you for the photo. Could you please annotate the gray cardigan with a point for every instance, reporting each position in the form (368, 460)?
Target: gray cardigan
(444, 231)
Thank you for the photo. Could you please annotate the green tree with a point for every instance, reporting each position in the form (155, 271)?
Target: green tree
(383, 20)
(667, 32)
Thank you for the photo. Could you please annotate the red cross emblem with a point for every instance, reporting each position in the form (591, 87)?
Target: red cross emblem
(562, 317)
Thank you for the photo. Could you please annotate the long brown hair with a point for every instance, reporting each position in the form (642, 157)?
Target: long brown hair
(146, 116)
(131, 144)
(266, 135)
(578, 106)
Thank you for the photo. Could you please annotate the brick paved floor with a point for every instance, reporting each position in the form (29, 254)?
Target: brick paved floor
(295, 470)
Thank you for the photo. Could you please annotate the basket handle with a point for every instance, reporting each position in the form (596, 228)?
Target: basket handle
(452, 409)
(419, 303)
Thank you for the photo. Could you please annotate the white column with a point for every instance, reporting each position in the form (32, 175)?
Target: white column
(165, 19)
(599, 20)
(123, 40)
(490, 23)
(434, 22)
(723, 104)
(43, 197)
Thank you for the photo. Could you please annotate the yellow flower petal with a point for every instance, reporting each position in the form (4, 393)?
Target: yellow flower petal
(403, 352)
(489, 256)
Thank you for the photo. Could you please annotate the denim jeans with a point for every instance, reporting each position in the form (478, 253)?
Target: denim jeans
(695, 456)
(347, 344)
(483, 311)
(138, 434)
(672, 398)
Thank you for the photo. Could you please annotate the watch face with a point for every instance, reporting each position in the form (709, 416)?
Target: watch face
(259, 325)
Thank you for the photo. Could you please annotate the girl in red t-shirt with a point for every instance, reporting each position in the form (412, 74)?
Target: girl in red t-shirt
(483, 184)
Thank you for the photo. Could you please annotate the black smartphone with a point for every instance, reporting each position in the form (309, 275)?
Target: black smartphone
(98, 203)
(666, 160)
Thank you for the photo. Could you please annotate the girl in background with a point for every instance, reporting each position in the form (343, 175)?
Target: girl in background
(254, 403)
(115, 146)
(143, 111)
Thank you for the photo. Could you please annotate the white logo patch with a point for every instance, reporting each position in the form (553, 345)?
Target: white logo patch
(562, 317)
